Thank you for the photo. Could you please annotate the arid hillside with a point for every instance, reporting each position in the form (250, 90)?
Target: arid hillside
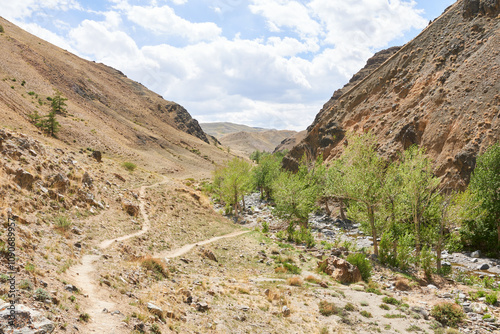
(440, 91)
(106, 111)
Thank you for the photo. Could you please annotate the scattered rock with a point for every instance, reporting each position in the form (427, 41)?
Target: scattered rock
(97, 155)
(202, 306)
(340, 270)
(87, 180)
(421, 311)
(60, 182)
(155, 309)
(119, 177)
(24, 179)
(483, 266)
(71, 288)
(285, 311)
(476, 254)
(27, 321)
(130, 208)
(207, 253)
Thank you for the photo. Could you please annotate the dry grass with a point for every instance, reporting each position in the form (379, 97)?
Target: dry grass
(295, 281)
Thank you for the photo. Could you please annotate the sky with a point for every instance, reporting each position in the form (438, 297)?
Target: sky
(263, 63)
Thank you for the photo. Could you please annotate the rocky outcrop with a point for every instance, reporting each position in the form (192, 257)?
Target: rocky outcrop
(340, 270)
(439, 91)
(27, 321)
(60, 182)
(130, 208)
(24, 179)
(185, 122)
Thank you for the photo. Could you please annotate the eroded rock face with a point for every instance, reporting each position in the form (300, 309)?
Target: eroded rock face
(24, 179)
(60, 182)
(439, 91)
(27, 321)
(340, 270)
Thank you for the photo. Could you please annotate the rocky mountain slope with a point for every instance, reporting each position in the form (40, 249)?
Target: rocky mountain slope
(219, 129)
(290, 142)
(106, 111)
(440, 91)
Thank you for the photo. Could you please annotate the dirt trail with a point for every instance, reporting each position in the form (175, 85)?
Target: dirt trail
(186, 248)
(83, 275)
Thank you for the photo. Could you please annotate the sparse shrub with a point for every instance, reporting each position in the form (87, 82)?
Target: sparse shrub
(426, 261)
(359, 260)
(1, 29)
(349, 307)
(327, 309)
(366, 314)
(62, 223)
(265, 227)
(41, 295)
(295, 281)
(492, 298)
(130, 166)
(155, 266)
(391, 300)
(84, 317)
(31, 93)
(155, 329)
(385, 307)
(25, 285)
(293, 269)
(448, 314)
(313, 279)
(30, 267)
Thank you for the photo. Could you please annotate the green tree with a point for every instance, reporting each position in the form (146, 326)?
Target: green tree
(50, 124)
(358, 176)
(232, 182)
(265, 173)
(257, 155)
(420, 191)
(482, 218)
(295, 195)
(58, 103)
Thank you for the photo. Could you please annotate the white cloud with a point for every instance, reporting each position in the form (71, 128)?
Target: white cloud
(163, 20)
(20, 9)
(285, 13)
(179, 2)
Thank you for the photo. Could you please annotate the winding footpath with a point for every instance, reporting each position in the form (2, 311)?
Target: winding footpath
(82, 274)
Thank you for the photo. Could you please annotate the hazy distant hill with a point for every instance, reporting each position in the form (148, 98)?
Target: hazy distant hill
(218, 129)
(244, 139)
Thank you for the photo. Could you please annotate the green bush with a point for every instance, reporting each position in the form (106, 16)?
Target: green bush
(292, 268)
(156, 267)
(492, 298)
(365, 267)
(391, 300)
(327, 309)
(62, 223)
(405, 251)
(448, 314)
(265, 227)
(130, 166)
(426, 261)
(1, 29)
(41, 295)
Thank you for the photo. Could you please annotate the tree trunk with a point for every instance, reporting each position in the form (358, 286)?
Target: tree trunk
(327, 209)
(438, 246)
(416, 221)
(342, 214)
(371, 216)
(244, 206)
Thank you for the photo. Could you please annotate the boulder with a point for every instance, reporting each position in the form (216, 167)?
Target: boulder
(87, 180)
(97, 156)
(60, 182)
(476, 254)
(130, 208)
(207, 253)
(27, 321)
(24, 179)
(155, 309)
(340, 270)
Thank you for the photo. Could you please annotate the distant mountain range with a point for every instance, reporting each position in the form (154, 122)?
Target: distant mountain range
(245, 139)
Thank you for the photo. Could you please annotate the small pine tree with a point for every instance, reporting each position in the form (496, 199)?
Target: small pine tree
(58, 103)
(35, 118)
(1, 29)
(49, 124)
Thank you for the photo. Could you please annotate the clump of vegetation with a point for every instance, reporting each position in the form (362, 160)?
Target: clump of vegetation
(85, 317)
(130, 166)
(385, 307)
(391, 300)
(295, 281)
(366, 314)
(41, 295)
(492, 298)
(265, 227)
(1, 29)
(62, 223)
(156, 267)
(448, 314)
(327, 308)
(359, 260)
